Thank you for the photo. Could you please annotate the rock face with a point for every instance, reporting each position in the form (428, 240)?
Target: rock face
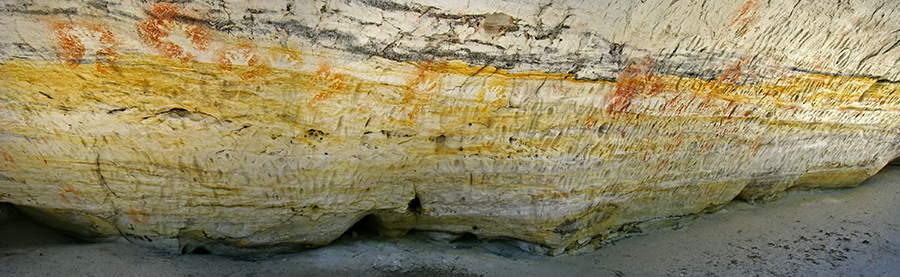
(241, 125)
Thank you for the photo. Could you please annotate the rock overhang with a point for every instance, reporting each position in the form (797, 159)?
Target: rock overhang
(177, 125)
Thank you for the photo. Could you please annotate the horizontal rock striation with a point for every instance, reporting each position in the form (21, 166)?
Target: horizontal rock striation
(277, 125)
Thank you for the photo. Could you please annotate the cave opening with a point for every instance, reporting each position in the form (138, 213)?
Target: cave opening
(364, 228)
(194, 250)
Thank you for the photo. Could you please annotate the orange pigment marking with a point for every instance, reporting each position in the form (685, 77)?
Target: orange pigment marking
(411, 87)
(635, 79)
(734, 74)
(68, 190)
(590, 121)
(7, 157)
(72, 51)
(155, 29)
(335, 81)
(414, 113)
(661, 163)
(747, 16)
(139, 216)
(647, 156)
(420, 86)
(64, 198)
(246, 51)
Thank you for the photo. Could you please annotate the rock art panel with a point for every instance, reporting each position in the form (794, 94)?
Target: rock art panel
(242, 127)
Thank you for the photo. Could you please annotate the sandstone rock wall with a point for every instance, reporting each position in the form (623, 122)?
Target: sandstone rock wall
(244, 124)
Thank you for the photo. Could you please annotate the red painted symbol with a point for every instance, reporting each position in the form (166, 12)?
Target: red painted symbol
(77, 43)
(168, 31)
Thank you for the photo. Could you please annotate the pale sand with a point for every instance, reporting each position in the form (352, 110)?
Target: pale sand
(851, 232)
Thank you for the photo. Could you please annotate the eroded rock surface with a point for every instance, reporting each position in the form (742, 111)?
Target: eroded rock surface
(236, 125)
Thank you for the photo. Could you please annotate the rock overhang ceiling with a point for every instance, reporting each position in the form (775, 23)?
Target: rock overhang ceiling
(237, 125)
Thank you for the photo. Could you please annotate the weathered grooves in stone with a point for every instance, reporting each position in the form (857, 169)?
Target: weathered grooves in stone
(533, 44)
(566, 158)
(282, 124)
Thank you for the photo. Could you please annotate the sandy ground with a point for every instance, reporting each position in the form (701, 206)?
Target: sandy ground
(852, 232)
